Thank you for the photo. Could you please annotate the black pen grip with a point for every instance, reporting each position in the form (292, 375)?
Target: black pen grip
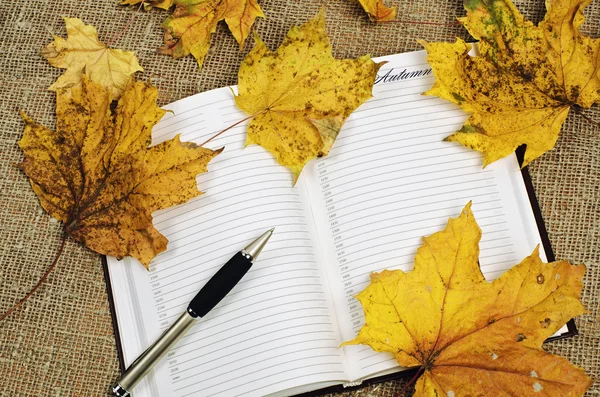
(219, 285)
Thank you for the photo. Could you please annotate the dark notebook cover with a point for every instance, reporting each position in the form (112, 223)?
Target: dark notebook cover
(572, 329)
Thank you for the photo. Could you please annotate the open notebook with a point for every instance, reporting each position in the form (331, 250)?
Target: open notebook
(388, 180)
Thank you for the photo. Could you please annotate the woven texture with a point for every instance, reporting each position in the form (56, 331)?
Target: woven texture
(61, 343)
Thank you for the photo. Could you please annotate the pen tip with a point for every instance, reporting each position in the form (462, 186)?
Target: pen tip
(255, 247)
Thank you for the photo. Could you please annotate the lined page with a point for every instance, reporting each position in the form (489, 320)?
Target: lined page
(390, 179)
(274, 330)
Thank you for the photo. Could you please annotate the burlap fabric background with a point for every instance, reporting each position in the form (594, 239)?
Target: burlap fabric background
(62, 342)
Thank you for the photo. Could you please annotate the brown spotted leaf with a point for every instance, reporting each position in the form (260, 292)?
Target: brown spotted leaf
(520, 87)
(98, 176)
(468, 336)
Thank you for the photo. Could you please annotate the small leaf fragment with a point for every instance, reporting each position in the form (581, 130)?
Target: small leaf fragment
(378, 11)
(300, 96)
(82, 53)
(98, 176)
(472, 337)
(149, 4)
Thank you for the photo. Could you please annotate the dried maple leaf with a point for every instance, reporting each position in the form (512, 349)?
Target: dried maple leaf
(471, 337)
(520, 87)
(188, 29)
(82, 53)
(378, 11)
(97, 174)
(300, 95)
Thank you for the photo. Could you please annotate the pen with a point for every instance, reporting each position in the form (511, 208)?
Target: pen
(213, 291)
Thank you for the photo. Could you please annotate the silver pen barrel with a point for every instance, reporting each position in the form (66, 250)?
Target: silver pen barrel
(144, 363)
(210, 295)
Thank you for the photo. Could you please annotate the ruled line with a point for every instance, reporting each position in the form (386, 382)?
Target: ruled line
(284, 331)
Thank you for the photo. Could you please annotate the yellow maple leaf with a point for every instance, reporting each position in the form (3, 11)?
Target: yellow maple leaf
(378, 11)
(300, 95)
(82, 53)
(520, 87)
(470, 337)
(97, 174)
(188, 29)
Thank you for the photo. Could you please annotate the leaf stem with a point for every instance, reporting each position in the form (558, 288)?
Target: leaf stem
(579, 111)
(126, 28)
(230, 127)
(44, 277)
(410, 382)
(422, 23)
